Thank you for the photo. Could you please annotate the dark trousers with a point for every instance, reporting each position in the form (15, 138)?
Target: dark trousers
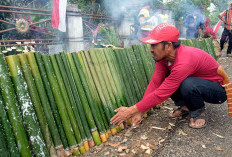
(194, 91)
(226, 33)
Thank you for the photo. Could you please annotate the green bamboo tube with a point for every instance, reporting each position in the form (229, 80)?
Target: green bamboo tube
(90, 89)
(7, 130)
(108, 77)
(105, 75)
(112, 58)
(78, 89)
(3, 146)
(132, 70)
(136, 70)
(115, 77)
(123, 78)
(150, 61)
(210, 47)
(26, 107)
(143, 63)
(80, 135)
(126, 75)
(44, 99)
(86, 135)
(195, 43)
(48, 89)
(37, 104)
(94, 108)
(102, 78)
(56, 90)
(133, 80)
(67, 102)
(148, 64)
(71, 90)
(84, 73)
(10, 100)
(100, 87)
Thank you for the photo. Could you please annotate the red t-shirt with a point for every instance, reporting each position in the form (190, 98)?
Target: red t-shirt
(189, 61)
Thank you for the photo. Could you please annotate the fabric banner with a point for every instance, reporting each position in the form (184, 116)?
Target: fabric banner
(59, 15)
(215, 29)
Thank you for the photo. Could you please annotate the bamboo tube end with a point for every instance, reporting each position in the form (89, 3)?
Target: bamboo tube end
(91, 143)
(75, 150)
(52, 152)
(118, 128)
(82, 149)
(60, 150)
(86, 145)
(145, 115)
(109, 133)
(96, 138)
(129, 121)
(114, 131)
(67, 153)
(103, 137)
(121, 126)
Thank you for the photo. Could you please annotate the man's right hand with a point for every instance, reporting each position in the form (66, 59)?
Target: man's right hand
(136, 119)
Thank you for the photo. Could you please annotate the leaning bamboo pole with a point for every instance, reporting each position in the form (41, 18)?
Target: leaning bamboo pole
(53, 104)
(99, 82)
(125, 76)
(84, 73)
(3, 144)
(7, 131)
(37, 104)
(10, 100)
(44, 101)
(108, 80)
(26, 107)
(94, 109)
(77, 88)
(67, 103)
(116, 77)
(71, 101)
(56, 90)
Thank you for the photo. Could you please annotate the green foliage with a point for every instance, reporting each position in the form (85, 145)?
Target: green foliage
(110, 37)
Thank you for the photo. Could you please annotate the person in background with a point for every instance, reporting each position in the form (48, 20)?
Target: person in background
(186, 74)
(194, 24)
(163, 16)
(226, 17)
(146, 21)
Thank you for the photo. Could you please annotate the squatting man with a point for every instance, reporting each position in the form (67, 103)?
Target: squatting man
(186, 74)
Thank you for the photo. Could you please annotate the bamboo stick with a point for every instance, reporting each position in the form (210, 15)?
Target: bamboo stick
(12, 109)
(26, 107)
(37, 104)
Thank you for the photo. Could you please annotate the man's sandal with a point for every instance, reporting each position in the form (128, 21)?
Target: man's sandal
(183, 113)
(196, 118)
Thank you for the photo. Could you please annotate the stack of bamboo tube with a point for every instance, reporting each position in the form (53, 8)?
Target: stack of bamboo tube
(61, 104)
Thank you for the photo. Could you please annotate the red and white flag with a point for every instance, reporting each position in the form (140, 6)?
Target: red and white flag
(59, 15)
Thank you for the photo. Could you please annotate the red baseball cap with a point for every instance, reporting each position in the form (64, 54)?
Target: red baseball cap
(162, 32)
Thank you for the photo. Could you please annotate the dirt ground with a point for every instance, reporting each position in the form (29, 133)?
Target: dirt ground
(159, 135)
